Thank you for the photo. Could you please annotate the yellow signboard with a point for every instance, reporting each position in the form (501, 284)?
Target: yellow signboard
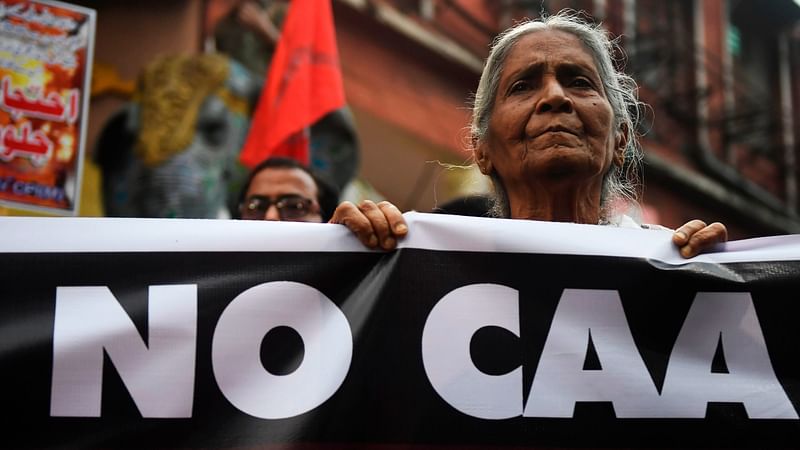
(46, 52)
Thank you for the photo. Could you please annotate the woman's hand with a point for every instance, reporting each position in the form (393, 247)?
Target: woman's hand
(695, 236)
(376, 225)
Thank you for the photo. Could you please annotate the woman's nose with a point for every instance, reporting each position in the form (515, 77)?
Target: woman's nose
(554, 98)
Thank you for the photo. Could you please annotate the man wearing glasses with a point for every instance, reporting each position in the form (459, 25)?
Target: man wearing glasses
(283, 189)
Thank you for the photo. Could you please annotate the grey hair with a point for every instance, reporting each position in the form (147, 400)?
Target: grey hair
(620, 183)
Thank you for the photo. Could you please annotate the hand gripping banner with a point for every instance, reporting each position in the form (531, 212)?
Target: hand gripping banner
(475, 334)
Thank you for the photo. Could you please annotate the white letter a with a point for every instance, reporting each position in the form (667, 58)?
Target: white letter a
(689, 383)
(560, 379)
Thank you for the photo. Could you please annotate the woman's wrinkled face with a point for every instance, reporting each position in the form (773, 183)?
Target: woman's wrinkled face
(551, 120)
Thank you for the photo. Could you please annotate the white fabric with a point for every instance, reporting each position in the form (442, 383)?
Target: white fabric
(626, 221)
(426, 231)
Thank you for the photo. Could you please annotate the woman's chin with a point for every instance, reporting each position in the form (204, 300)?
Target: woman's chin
(562, 161)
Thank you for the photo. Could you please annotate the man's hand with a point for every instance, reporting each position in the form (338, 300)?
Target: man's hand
(376, 225)
(695, 236)
(251, 15)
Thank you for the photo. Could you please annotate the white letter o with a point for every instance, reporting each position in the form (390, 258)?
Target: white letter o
(236, 349)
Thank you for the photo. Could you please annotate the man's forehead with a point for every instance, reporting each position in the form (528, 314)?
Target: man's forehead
(283, 180)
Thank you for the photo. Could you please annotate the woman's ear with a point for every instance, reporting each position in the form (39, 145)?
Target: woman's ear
(482, 157)
(622, 143)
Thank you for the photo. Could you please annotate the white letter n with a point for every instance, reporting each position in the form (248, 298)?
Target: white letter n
(159, 376)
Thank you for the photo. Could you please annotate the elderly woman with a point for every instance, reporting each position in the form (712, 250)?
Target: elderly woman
(553, 122)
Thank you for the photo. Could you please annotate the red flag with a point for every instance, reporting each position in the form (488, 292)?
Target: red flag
(303, 84)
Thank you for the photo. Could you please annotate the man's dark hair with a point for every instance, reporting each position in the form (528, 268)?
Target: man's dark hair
(327, 192)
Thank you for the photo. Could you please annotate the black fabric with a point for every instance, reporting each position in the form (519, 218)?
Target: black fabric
(386, 398)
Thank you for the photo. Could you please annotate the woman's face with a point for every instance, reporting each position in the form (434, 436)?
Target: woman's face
(551, 124)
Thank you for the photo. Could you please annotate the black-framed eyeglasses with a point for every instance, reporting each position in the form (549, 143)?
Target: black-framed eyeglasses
(290, 207)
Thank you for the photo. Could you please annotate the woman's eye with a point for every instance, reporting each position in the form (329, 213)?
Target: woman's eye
(581, 83)
(519, 86)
